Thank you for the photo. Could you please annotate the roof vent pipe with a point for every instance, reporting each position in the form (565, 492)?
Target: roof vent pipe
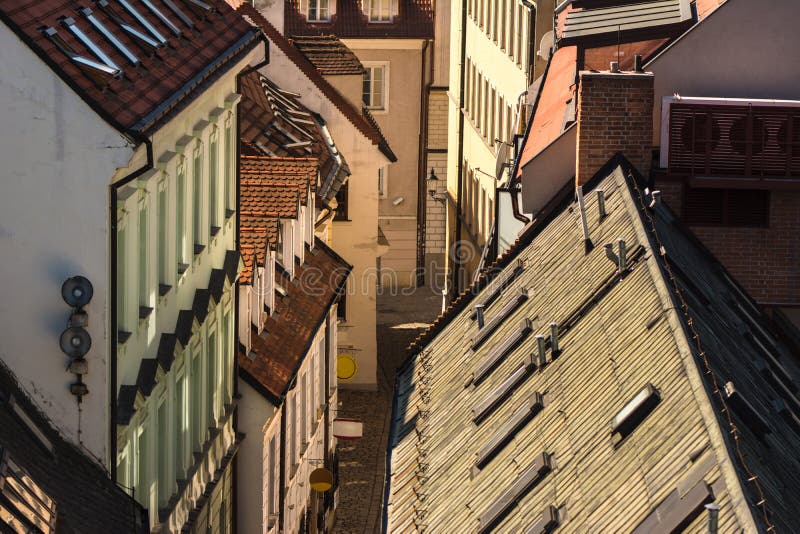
(623, 253)
(614, 67)
(554, 338)
(587, 243)
(542, 353)
(479, 315)
(713, 517)
(601, 203)
(637, 63)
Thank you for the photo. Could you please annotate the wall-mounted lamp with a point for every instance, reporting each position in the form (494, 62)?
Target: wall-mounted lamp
(432, 181)
(75, 341)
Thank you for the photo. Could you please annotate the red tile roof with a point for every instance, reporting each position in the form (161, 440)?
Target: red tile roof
(162, 82)
(330, 55)
(414, 20)
(549, 117)
(278, 352)
(600, 58)
(300, 172)
(269, 197)
(356, 117)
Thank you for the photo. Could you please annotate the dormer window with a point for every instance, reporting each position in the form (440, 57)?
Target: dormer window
(380, 10)
(318, 11)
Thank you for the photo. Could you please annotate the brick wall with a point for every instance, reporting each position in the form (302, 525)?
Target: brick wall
(765, 261)
(435, 210)
(437, 119)
(615, 113)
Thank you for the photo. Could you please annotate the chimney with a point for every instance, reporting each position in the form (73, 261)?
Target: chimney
(615, 114)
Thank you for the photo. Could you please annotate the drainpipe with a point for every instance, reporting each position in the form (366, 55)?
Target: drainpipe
(112, 382)
(423, 162)
(282, 477)
(456, 272)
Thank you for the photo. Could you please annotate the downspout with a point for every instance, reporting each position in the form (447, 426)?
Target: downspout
(112, 382)
(327, 437)
(456, 273)
(282, 477)
(422, 166)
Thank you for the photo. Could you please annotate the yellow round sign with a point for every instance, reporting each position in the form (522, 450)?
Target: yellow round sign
(346, 367)
(321, 480)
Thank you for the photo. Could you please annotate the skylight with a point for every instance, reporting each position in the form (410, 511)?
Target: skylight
(635, 411)
(487, 365)
(498, 319)
(529, 478)
(505, 433)
(497, 285)
(487, 405)
(548, 522)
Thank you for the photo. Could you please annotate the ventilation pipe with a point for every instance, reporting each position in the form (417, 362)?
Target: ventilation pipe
(542, 353)
(623, 255)
(610, 254)
(479, 315)
(554, 338)
(637, 63)
(601, 203)
(713, 517)
(655, 198)
(614, 67)
(587, 243)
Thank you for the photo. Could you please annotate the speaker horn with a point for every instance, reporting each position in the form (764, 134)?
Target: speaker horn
(75, 342)
(77, 291)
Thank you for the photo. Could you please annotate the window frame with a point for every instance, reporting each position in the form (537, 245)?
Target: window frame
(342, 210)
(692, 219)
(319, 9)
(387, 5)
(370, 67)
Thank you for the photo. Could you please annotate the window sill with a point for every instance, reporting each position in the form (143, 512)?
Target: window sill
(123, 336)
(182, 268)
(198, 249)
(229, 213)
(215, 230)
(163, 289)
(342, 219)
(144, 312)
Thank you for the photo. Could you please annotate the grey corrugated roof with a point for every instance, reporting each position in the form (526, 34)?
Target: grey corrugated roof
(618, 333)
(630, 17)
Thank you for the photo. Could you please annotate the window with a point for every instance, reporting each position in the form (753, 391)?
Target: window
(341, 200)
(163, 269)
(164, 476)
(635, 411)
(227, 361)
(272, 479)
(303, 383)
(379, 10)
(229, 165)
(211, 385)
(180, 218)
(374, 87)
(213, 207)
(181, 423)
(122, 283)
(197, 397)
(197, 197)
(382, 182)
(291, 446)
(321, 370)
(726, 207)
(144, 295)
(141, 489)
(341, 308)
(318, 10)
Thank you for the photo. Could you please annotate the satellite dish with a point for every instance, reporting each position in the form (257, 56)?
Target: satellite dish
(501, 162)
(321, 479)
(75, 342)
(546, 46)
(77, 291)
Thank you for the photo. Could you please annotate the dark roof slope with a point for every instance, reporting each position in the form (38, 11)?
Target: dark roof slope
(414, 20)
(34, 454)
(488, 434)
(278, 351)
(329, 54)
(198, 46)
(357, 118)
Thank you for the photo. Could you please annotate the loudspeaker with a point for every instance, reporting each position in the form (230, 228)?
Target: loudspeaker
(77, 291)
(75, 342)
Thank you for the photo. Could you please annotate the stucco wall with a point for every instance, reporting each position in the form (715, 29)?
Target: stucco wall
(355, 240)
(349, 86)
(400, 123)
(58, 157)
(748, 62)
(253, 413)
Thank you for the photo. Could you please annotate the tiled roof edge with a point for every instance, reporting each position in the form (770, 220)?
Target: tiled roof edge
(359, 121)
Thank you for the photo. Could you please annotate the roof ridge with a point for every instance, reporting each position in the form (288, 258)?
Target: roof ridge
(293, 53)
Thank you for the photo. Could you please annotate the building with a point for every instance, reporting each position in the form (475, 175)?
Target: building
(497, 50)
(289, 171)
(737, 199)
(354, 232)
(393, 42)
(610, 376)
(136, 107)
(40, 471)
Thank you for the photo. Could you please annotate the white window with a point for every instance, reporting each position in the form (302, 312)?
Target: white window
(122, 273)
(197, 196)
(180, 219)
(302, 426)
(163, 260)
(144, 294)
(212, 391)
(213, 170)
(272, 478)
(318, 10)
(229, 166)
(164, 451)
(321, 371)
(379, 10)
(227, 353)
(374, 86)
(198, 434)
(141, 489)
(382, 182)
(181, 424)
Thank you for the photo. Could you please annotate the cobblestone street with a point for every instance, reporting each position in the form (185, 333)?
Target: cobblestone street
(362, 463)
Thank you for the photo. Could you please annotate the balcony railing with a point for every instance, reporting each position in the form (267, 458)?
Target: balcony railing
(748, 142)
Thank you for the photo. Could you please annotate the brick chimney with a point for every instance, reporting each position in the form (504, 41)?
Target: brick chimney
(615, 114)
